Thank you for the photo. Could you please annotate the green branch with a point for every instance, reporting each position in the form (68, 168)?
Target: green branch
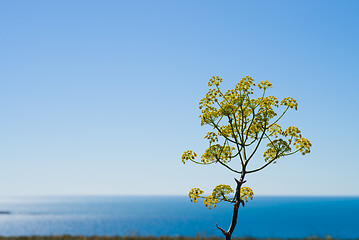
(259, 142)
(265, 165)
(222, 134)
(279, 117)
(237, 144)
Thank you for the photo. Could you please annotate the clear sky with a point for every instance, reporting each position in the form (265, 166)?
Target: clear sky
(101, 97)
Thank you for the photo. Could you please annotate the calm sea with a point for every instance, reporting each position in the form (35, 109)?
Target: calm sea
(275, 217)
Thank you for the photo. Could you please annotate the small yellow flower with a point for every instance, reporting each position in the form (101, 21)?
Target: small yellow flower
(246, 193)
(188, 155)
(264, 85)
(289, 102)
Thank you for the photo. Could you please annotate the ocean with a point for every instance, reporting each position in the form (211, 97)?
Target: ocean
(263, 217)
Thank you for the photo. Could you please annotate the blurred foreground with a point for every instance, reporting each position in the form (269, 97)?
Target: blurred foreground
(68, 237)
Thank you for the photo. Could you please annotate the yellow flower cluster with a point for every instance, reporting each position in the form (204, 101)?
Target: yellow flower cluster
(248, 106)
(220, 191)
(217, 152)
(210, 202)
(226, 131)
(268, 102)
(219, 194)
(210, 98)
(246, 193)
(194, 194)
(254, 129)
(300, 143)
(210, 113)
(235, 102)
(303, 145)
(292, 132)
(209, 116)
(212, 137)
(188, 155)
(274, 130)
(266, 112)
(245, 85)
(270, 154)
(227, 109)
(276, 149)
(214, 81)
(264, 85)
(289, 102)
(245, 118)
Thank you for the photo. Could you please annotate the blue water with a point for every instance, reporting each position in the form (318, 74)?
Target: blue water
(264, 217)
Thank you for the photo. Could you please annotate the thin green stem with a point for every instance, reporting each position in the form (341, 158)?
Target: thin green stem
(255, 139)
(253, 112)
(222, 134)
(271, 143)
(265, 165)
(218, 158)
(237, 144)
(279, 117)
(292, 152)
(225, 165)
(259, 141)
(201, 162)
(236, 126)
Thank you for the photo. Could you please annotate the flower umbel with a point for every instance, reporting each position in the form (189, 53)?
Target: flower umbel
(194, 194)
(246, 194)
(188, 155)
(289, 102)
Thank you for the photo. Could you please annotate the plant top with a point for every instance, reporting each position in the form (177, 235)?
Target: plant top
(240, 124)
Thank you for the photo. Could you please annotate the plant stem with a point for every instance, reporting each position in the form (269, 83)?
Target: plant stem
(238, 200)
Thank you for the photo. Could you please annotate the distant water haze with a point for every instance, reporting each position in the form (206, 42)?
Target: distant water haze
(263, 217)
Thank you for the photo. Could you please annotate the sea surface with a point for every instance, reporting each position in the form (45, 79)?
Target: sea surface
(263, 217)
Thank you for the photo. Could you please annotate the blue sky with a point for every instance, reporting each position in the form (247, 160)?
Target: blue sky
(101, 97)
